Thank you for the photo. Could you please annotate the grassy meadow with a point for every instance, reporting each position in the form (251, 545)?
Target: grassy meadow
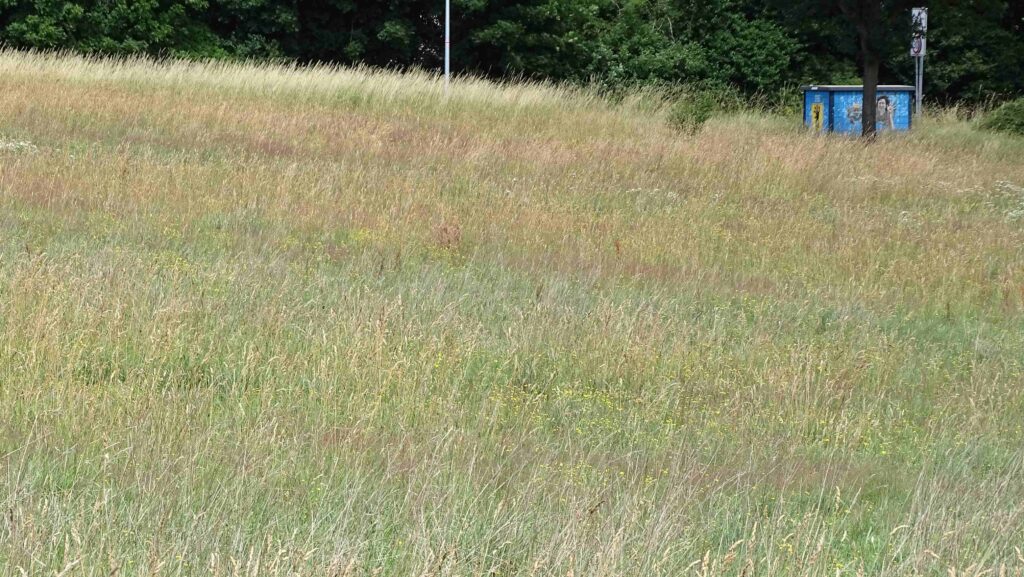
(259, 321)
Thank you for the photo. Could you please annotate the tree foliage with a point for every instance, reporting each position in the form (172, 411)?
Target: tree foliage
(976, 49)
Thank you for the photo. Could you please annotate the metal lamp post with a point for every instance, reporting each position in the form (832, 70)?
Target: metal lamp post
(447, 43)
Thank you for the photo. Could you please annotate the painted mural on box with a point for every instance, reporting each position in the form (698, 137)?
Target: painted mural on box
(816, 110)
(893, 111)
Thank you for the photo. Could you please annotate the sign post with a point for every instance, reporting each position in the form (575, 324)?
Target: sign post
(918, 47)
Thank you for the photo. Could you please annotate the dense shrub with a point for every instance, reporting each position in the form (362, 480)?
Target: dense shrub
(1007, 118)
(690, 113)
(695, 105)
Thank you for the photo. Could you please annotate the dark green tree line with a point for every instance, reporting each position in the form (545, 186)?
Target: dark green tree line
(976, 48)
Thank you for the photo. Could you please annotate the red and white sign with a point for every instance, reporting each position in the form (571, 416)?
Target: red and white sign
(919, 43)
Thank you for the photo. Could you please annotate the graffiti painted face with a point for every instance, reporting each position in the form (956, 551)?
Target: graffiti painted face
(886, 112)
(853, 113)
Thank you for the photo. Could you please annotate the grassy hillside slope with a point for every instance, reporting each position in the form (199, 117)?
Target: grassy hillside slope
(259, 321)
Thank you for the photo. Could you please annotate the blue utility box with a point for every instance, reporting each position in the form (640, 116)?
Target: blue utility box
(835, 108)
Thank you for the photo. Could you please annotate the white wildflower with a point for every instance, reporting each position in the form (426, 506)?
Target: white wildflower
(17, 145)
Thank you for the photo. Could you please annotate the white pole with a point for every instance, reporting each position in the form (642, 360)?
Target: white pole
(916, 84)
(447, 43)
(920, 86)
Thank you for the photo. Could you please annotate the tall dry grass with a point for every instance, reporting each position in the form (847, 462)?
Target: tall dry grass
(264, 321)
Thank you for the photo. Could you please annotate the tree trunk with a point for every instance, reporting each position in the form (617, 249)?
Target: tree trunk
(870, 30)
(869, 110)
